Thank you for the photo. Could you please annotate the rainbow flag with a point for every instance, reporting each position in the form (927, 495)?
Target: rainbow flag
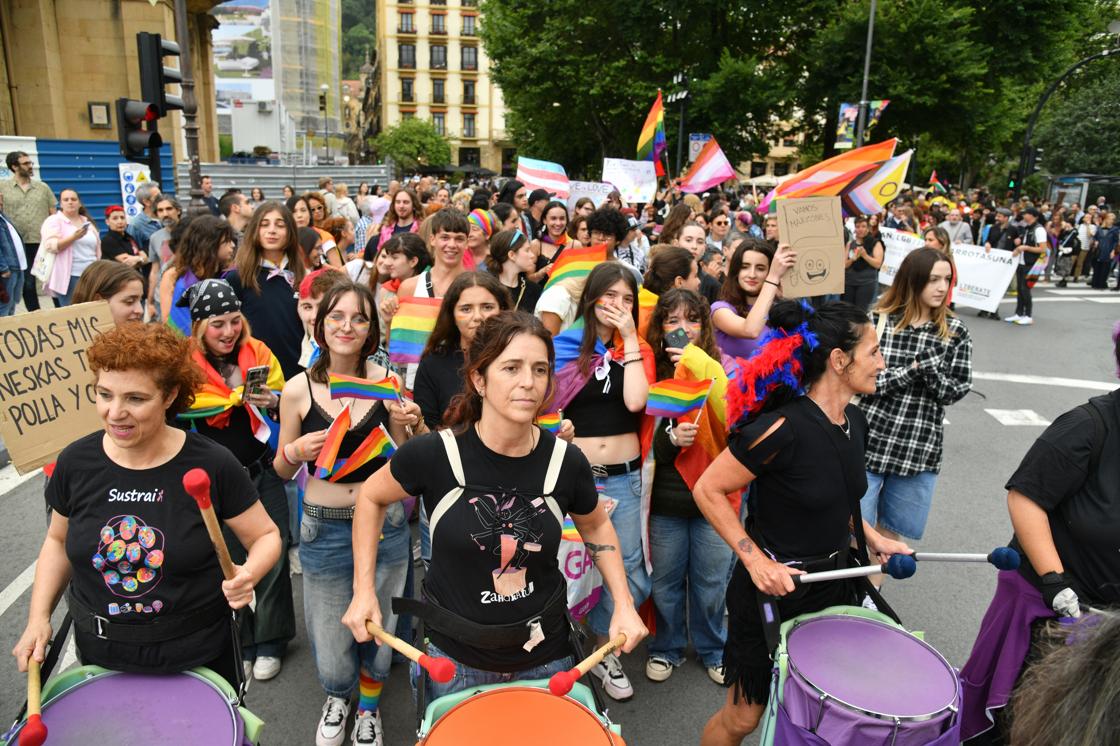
(545, 175)
(410, 329)
(377, 444)
(572, 263)
(651, 142)
(569, 532)
(362, 388)
(550, 422)
(834, 173)
(324, 465)
(675, 398)
(711, 168)
(711, 436)
(871, 191)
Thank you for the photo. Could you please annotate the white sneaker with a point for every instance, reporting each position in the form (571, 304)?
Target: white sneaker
(1012, 319)
(332, 724)
(716, 674)
(658, 668)
(1024, 321)
(295, 567)
(367, 729)
(615, 683)
(266, 667)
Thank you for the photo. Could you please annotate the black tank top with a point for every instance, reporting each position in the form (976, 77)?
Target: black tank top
(318, 419)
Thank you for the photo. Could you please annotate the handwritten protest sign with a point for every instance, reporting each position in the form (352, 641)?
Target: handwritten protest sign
(814, 228)
(982, 276)
(46, 390)
(596, 190)
(635, 180)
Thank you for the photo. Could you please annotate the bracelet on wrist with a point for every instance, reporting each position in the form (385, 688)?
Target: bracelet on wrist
(284, 455)
(771, 282)
(635, 360)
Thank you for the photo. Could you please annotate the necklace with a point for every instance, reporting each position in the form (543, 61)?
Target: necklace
(845, 427)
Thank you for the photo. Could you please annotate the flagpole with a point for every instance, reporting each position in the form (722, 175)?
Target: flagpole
(862, 119)
(705, 405)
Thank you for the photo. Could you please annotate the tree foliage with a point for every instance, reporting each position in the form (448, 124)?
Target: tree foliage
(1079, 130)
(413, 143)
(358, 35)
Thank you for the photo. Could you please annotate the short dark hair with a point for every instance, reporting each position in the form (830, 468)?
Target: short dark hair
(610, 221)
(13, 159)
(227, 201)
(450, 220)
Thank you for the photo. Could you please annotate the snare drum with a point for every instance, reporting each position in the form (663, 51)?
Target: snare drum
(515, 714)
(852, 676)
(90, 704)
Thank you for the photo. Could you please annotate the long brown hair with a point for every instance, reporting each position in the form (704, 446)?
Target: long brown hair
(318, 370)
(904, 296)
(731, 291)
(197, 248)
(103, 279)
(491, 339)
(391, 214)
(678, 215)
(697, 310)
(250, 254)
(445, 336)
(598, 282)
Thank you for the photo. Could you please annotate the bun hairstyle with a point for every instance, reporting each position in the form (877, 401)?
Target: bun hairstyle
(793, 355)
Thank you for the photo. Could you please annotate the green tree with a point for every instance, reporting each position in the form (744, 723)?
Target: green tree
(1079, 130)
(357, 27)
(412, 143)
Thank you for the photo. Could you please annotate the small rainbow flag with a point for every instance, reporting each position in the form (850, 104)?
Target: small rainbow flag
(574, 263)
(324, 465)
(569, 532)
(675, 398)
(377, 444)
(362, 388)
(411, 327)
(550, 422)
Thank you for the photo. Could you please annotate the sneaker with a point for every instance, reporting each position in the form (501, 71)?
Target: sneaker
(1024, 321)
(658, 669)
(1013, 318)
(332, 724)
(294, 565)
(367, 729)
(716, 674)
(615, 683)
(266, 667)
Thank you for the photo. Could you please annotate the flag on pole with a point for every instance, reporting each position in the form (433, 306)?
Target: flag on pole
(675, 398)
(832, 171)
(871, 191)
(935, 183)
(575, 263)
(651, 142)
(710, 169)
(362, 388)
(545, 175)
(411, 327)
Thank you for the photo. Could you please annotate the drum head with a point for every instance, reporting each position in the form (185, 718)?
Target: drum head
(173, 710)
(514, 716)
(871, 666)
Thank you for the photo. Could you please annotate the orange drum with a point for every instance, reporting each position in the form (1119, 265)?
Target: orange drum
(516, 715)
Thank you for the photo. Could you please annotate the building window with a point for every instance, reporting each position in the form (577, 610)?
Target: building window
(440, 123)
(439, 2)
(789, 142)
(406, 89)
(407, 55)
(758, 168)
(439, 24)
(405, 26)
(469, 25)
(439, 56)
(438, 85)
(470, 58)
(468, 92)
(468, 126)
(781, 169)
(470, 156)
(408, 115)
(470, 3)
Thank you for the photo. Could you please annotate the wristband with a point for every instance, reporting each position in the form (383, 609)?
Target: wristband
(672, 435)
(635, 360)
(284, 455)
(775, 284)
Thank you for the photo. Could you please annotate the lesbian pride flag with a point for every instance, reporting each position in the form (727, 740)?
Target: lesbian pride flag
(545, 175)
(711, 168)
(363, 388)
(674, 398)
(410, 329)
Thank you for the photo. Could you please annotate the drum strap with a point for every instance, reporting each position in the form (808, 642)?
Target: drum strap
(158, 630)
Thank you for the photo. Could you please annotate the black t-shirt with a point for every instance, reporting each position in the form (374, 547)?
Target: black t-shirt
(494, 550)
(139, 549)
(596, 411)
(439, 377)
(1083, 508)
(860, 269)
(669, 495)
(524, 297)
(709, 287)
(237, 436)
(809, 476)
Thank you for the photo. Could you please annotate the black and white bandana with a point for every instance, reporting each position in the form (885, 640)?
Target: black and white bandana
(209, 298)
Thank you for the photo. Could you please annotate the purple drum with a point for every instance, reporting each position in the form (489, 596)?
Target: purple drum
(854, 680)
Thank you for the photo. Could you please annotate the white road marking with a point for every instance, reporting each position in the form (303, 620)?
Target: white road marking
(1113, 299)
(1014, 417)
(1072, 383)
(10, 478)
(1075, 291)
(15, 589)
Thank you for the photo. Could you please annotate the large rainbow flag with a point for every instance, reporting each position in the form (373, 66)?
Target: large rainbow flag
(711, 168)
(572, 263)
(214, 400)
(651, 142)
(545, 175)
(411, 326)
(831, 176)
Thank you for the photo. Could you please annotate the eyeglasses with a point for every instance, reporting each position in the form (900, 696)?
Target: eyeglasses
(719, 222)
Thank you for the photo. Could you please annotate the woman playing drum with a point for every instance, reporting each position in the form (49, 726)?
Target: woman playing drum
(804, 446)
(146, 591)
(497, 488)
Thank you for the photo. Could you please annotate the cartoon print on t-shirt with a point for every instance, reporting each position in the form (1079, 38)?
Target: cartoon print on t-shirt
(512, 528)
(130, 559)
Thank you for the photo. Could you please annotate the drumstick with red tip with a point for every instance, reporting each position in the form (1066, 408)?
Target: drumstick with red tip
(442, 670)
(34, 731)
(562, 681)
(197, 484)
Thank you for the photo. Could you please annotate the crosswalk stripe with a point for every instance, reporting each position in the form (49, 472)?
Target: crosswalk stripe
(1016, 417)
(15, 589)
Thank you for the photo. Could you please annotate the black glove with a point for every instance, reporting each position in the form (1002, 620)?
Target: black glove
(1059, 596)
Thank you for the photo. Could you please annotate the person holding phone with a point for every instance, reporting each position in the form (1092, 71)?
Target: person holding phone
(72, 237)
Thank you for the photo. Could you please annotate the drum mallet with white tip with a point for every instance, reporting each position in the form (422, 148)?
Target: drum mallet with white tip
(899, 566)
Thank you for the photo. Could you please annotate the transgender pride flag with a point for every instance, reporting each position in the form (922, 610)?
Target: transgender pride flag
(545, 175)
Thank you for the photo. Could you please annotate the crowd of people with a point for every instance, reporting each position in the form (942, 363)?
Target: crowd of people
(253, 307)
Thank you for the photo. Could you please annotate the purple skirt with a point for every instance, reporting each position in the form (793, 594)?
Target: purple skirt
(1001, 647)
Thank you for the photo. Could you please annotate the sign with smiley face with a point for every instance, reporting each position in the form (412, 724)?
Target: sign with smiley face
(814, 228)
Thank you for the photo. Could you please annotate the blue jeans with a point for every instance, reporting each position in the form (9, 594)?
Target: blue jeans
(467, 677)
(899, 504)
(688, 551)
(328, 581)
(14, 285)
(61, 301)
(626, 491)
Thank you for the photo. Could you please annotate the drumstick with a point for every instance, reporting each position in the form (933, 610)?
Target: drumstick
(441, 670)
(34, 731)
(197, 484)
(1003, 558)
(562, 681)
(899, 566)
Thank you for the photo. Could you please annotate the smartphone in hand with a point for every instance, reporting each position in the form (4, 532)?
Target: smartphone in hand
(677, 338)
(255, 379)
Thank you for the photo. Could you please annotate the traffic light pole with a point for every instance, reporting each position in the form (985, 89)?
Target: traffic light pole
(190, 108)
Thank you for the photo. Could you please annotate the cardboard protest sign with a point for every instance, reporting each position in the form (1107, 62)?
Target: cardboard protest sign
(46, 390)
(814, 228)
(635, 180)
(596, 190)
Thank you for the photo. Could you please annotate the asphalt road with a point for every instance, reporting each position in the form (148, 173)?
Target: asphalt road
(1069, 340)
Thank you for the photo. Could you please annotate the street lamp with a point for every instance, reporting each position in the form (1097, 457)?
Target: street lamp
(681, 94)
(861, 121)
(326, 122)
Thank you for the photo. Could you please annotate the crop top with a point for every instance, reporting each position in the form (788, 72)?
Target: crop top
(318, 419)
(597, 411)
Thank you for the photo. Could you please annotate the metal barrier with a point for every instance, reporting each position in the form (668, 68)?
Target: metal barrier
(272, 179)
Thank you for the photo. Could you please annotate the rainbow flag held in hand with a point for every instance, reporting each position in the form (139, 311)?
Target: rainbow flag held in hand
(324, 465)
(675, 398)
(362, 388)
(550, 422)
(711, 435)
(377, 444)
(410, 329)
(572, 263)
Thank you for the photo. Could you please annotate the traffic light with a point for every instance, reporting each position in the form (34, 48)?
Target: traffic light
(1011, 180)
(136, 140)
(154, 77)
